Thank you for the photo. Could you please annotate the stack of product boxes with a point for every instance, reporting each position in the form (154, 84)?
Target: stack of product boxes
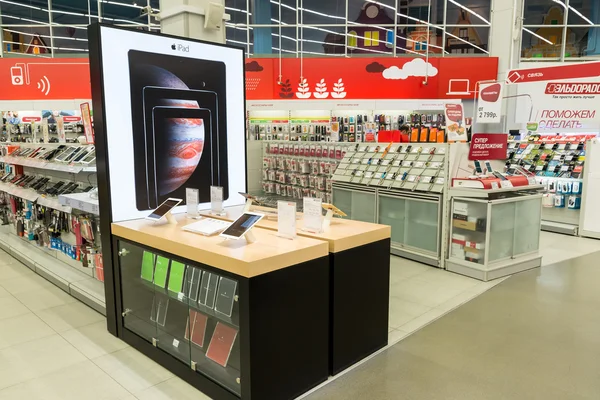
(468, 234)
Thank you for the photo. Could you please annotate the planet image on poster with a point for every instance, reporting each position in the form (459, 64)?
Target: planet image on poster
(184, 145)
(179, 148)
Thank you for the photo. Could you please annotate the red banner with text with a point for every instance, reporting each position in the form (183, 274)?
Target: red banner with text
(488, 146)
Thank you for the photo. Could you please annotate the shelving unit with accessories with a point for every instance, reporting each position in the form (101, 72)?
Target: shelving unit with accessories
(54, 238)
(558, 163)
(298, 170)
(398, 184)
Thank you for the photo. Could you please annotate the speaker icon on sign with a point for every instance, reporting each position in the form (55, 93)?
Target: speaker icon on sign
(44, 85)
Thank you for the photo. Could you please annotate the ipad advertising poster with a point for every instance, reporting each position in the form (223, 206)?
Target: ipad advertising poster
(173, 118)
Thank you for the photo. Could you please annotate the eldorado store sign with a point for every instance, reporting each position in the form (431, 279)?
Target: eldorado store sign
(559, 98)
(322, 78)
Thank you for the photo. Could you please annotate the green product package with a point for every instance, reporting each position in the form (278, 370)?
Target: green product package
(176, 276)
(161, 271)
(148, 266)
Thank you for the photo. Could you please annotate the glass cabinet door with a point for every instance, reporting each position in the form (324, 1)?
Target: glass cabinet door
(187, 311)
(422, 225)
(358, 205)
(392, 212)
(502, 231)
(527, 230)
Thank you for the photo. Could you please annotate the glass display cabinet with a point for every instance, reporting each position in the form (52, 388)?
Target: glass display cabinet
(415, 221)
(358, 203)
(496, 235)
(188, 312)
(232, 336)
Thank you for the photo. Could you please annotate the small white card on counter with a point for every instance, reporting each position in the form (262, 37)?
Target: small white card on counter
(216, 199)
(286, 219)
(313, 215)
(191, 199)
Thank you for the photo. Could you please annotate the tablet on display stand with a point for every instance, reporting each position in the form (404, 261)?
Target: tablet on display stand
(164, 211)
(241, 227)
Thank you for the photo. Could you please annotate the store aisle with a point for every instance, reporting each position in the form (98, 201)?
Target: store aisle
(52, 347)
(534, 336)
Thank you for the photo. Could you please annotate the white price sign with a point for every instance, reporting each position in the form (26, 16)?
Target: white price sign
(489, 103)
(313, 215)
(216, 199)
(191, 200)
(286, 219)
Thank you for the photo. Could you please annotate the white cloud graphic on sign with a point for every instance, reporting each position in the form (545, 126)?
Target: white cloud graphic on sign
(415, 67)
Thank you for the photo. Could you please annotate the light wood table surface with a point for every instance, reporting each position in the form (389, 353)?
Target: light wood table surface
(342, 234)
(269, 253)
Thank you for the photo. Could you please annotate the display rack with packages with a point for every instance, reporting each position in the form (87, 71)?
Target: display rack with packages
(57, 240)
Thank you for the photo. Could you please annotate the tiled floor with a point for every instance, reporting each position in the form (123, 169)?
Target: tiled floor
(54, 347)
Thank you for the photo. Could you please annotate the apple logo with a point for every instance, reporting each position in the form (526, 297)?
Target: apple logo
(173, 47)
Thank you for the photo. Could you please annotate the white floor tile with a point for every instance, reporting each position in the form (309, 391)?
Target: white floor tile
(402, 311)
(21, 329)
(11, 307)
(14, 270)
(41, 299)
(421, 291)
(25, 283)
(173, 388)
(94, 340)
(76, 382)
(422, 320)
(132, 369)
(401, 269)
(395, 336)
(69, 316)
(36, 358)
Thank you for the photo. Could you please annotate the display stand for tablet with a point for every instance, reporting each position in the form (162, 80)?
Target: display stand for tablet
(170, 218)
(247, 206)
(327, 220)
(249, 236)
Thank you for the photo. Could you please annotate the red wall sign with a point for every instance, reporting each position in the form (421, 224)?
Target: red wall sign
(323, 78)
(567, 71)
(488, 146)
(44, 78)
(31, 119)
(367, 78)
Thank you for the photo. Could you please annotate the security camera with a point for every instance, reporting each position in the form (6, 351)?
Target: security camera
(147, 10)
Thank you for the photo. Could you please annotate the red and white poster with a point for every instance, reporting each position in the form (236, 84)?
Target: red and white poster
(87, 122)
(455, 123)
(489, 103)
(561, 98)
(488, 146)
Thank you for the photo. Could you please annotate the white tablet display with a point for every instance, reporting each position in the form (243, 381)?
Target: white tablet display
(242, 225)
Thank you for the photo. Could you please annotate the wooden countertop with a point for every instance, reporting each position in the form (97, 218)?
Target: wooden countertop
(342, 234)
(268, 253)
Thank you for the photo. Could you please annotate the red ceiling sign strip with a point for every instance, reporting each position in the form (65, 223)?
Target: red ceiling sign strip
(367, 78)
(573, 71)
(324, 78)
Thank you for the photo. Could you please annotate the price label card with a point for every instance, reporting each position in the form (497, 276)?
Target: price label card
(495, 185)
(532, 180)
(313, 215)
(506, 184)
(191, 199)
(216, 199)
(286, 219)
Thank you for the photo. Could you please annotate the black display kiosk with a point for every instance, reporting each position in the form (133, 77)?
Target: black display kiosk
(266, 320)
